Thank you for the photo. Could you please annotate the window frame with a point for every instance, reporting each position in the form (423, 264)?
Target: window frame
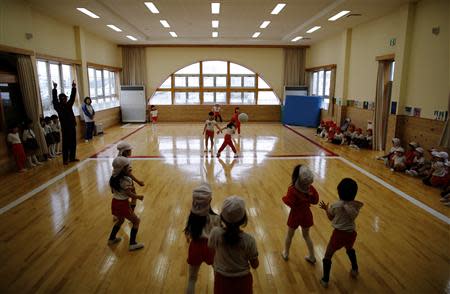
(314, 82)
(102, 102)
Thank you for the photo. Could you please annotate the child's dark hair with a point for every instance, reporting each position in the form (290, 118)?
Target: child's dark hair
(230, 125)
(295, 175)
(114, 181)
(347, 189)
(210, 113)
(232, 231)
(47, 119)
(195, 225)
(54, 117)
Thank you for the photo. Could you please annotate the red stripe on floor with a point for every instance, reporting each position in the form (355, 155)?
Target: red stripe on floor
(312, 141)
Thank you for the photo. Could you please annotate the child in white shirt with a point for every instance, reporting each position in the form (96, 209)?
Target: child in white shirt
(418, 163)
(30, 144)
(398, 162)
(216, 111)
(208, 131)
(13, 140)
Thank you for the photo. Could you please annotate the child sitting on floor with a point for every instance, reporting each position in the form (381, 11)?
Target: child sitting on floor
(417, 164)
(398, 162)
(349, 133)
(357, 140)
(439, 173)
(410, 154)
(320, 128)
(388, 157)
(338, 137)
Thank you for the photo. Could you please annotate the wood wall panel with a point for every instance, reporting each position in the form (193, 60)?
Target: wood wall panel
(359, 116)
(426, 132)
(191, 113)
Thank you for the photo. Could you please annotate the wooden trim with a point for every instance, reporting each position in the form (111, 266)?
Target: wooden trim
(102, 66)
(387, 57)
(58, 59)
(324, 67)
(212, 46)
(8, 49)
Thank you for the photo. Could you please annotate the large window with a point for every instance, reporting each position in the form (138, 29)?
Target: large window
(320, 85)
(210, 82)
(102, 88)
(62, 74)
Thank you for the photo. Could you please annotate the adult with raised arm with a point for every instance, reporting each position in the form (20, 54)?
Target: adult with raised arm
(68, 123)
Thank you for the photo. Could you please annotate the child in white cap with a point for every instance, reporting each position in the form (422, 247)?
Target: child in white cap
(201, 221)
(417, 164)
(439, 173)
(300, 195)
(398, 161)
(236, 250)
(125, 150)
(122, 188)
(388, 157)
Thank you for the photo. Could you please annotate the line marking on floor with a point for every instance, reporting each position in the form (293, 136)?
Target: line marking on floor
(311, 141)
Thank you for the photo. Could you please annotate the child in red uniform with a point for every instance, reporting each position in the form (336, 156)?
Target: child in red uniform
(122, 188)
(235, 120)
(13, 140)
(439, 174)
(208, 131)
(229, 130)
(153, 114)
(216, 110)
(410, 153)
(342, 214)
(301, 194)
(201, 221)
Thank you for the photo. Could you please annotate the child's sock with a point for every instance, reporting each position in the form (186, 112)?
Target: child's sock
(352, 256)
(326, 269)
(133, 234)
(114, 231)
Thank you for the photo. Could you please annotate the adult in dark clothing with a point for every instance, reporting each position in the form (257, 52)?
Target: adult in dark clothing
(68, 123)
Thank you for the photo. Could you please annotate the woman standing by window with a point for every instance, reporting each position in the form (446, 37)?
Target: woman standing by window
(89, 114)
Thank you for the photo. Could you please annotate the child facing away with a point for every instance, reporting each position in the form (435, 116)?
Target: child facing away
(418, 163)
(236, 250)
(300, 195)
(216, 111)
(30, 144)
(208, 130)
(201, 221)
(230, 129)
(342, 215)
(153, 114)
(235, 120)
(122, 188)
(56, 131)
(18, 152)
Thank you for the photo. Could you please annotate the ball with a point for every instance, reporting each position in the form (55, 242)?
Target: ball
(243, 117)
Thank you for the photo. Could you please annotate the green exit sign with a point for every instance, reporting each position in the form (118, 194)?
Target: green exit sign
(392, 42)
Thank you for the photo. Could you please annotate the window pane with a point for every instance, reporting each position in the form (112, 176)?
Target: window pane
(44, 87)
(193, 98)
(327, 82)
(391, 75)
(236, 81)
(208, 81)
(67, 78)
(107, 84)
(208, 97)
(161, 98)
(167, 83)
(314, 83)
(237, 69)
(54, 74)
(214, 67)
(221, 82)
(113, 82)
(180, 81)
(190, 69)
(262, 84)
(267, 98)
(99, 83)
(221, 97)
(249, 98)
(249, 81)
(193, 81)
(91, 74)
(236, 98)
(320, 86)
(180, 97)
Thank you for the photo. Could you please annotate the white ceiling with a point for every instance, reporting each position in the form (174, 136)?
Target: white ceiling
(239, 19)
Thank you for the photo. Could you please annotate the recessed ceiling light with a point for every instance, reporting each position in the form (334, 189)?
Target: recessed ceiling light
(215, 8)
(256, 35)
(264, 24)
(164, 23)
(278, 8)
(215, 34)
(113, 27)
(131, 38)
(173, 34)
(339, 15)
(215, 23)
(151, 7)
(313, 29)
(87, 12)
(296, 39)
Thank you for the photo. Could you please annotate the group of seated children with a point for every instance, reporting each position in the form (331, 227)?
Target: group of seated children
(25, 148)
(346, 134)
(434, 172)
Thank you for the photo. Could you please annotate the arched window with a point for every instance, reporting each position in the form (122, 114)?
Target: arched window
(210, 82)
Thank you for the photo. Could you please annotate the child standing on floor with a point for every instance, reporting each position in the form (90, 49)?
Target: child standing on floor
(342, 214)
(46, 126)
(125, 150)
(13, 140)
(230, 129)
(56, 131)
(301, 194)
(208, 130)
(30, 144)
(235, 120)
(216, 110)
(236, 250)
(153, 114)
(122, 188)
(201, 221)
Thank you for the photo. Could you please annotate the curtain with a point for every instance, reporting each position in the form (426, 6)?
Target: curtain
(294, 66)
(445, 137)
(134, 66)
(380, 121)
(31, 97)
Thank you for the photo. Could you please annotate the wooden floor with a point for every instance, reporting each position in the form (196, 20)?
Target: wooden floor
(56, 240)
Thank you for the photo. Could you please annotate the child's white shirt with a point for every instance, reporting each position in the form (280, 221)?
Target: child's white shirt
(48, 129)
(216, 108)
(339, 136)
(125, 184)
(210, 125)
(13, 138)
(229, 131)
(28, 134)
(154, 113)
(213, 220)
(439, 169)
(419, 161)
(56, 127)
(344, 214)
(399, 159)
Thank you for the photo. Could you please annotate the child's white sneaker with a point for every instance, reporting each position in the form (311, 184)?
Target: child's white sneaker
(323, 283)
(311, 260)
(114, 241)
(136, 246)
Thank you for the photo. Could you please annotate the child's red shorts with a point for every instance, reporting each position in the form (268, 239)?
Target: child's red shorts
(227, 285)
(303, 219)
(200, 252)
(154, 119)
(209, 134)
(121, 208)
(439, 181)
(341, 239)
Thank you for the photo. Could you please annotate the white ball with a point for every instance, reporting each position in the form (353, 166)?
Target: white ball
(243, 117)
